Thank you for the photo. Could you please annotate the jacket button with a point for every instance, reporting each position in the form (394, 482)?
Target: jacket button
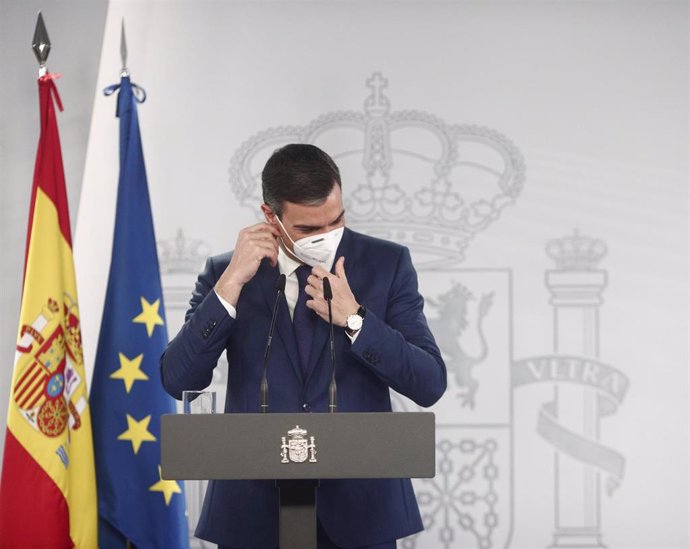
(306, 407)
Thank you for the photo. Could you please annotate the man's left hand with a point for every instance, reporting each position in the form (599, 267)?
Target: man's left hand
(343, 303)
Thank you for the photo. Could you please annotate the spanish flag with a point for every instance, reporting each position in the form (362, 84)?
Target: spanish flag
(48, 488)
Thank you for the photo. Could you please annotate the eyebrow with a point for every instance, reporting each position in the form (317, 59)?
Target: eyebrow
(314, 227)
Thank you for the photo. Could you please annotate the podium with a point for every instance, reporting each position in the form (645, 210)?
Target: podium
(297, 450)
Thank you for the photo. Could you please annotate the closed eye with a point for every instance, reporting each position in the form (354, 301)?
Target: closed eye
(305, 229)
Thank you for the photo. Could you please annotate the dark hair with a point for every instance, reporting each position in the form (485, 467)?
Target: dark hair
(298, 173)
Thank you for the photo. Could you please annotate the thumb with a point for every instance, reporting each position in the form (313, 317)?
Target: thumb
(340, 268)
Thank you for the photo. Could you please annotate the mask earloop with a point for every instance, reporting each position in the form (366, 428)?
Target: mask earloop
(284, 230)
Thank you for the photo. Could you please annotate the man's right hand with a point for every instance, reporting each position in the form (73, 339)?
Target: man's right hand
(253, 245)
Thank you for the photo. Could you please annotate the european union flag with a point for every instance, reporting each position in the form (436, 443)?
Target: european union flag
(135, 505)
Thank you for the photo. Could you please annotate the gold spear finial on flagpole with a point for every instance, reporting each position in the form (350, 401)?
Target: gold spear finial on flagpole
(123, 51)
(41, 45)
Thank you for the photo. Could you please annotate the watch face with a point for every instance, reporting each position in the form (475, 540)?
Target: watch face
(354, 322)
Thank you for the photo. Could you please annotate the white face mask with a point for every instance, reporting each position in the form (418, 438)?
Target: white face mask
(317, 249)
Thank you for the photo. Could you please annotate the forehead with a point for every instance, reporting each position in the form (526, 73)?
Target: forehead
(317, 214)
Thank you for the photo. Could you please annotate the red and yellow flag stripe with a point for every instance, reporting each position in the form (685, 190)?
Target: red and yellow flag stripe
(48, 486)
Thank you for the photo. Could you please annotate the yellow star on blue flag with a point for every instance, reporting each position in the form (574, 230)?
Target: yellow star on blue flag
(149, 315)
(166, 487)
(129, 371)
(137, 432)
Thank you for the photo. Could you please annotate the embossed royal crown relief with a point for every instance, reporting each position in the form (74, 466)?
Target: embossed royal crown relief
(576, 252)
(181, 254)
(407, 176)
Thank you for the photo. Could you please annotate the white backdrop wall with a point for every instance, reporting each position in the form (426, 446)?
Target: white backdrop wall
(493, 132)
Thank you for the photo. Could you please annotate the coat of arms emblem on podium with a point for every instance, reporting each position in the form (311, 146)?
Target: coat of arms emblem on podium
(298, 448)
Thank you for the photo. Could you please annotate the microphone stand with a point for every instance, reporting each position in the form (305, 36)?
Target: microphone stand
(263, 393)
(332, 389)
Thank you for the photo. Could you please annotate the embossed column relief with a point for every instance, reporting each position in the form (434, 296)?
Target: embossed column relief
(584, 390)
(576, 289)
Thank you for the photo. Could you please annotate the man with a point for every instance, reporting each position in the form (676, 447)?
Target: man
(381, 337)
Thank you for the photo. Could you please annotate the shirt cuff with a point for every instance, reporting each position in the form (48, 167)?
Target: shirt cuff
(353, 337)
(229, 308)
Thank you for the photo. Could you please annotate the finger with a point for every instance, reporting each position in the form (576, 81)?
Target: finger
(272, 229)
(319, 271)
(261, 230)
(269, 242)
(255, 228)
(267, 249)
(313, 292)
(261, 226)
(275, 231)
(340, 268)
(247, 242)
(273, 257)
(315, 281)
(263, 248)
(318, 308)
(263, 236)
(260, 252)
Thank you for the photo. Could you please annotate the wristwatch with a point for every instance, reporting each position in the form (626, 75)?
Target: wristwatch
(353, 324)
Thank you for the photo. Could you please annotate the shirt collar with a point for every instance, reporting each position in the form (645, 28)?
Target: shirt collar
(286, 264)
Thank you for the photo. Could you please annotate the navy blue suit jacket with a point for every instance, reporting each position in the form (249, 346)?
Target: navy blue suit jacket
(394, 349)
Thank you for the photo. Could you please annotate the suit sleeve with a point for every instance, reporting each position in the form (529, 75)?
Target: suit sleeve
(189, 359)
(400, 348)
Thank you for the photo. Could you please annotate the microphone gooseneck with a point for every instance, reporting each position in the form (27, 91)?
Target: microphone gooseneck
(263, 392)
(332, 389)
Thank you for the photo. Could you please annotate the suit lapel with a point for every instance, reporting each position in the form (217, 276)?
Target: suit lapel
(268, 276)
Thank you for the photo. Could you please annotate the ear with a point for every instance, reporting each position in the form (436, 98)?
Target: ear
(268, 214)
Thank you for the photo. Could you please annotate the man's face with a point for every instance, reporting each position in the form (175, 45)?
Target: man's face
(300, 220)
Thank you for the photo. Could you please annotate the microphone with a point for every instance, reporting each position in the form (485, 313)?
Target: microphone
(332, 389)
(263, 394)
